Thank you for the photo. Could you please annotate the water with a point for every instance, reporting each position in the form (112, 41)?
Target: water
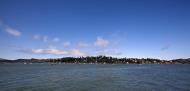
(94, 77)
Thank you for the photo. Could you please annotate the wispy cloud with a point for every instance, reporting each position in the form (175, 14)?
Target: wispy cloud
(108, 52)
(107, 47)
(55, 51)
(76, 52)
(100, 42)
(13, 32)
(66, 44)
(43, 38)
(10, 30)
(36, 37)
(49, 51)
(83, 45)
(100, 46)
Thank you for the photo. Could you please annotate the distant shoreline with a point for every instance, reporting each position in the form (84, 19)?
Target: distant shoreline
(93, 63)
(97, 60)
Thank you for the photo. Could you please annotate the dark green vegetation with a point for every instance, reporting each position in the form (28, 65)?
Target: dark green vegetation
(99, 60)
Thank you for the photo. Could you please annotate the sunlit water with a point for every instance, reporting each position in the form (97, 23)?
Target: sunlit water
(94, 77)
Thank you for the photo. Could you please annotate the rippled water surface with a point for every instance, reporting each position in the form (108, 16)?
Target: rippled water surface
(94, 77)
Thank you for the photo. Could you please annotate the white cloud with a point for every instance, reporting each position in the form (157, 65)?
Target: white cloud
(13, 31)
(43, 38)
(82, 45)
(10, 30)
(55, 51)
(66, 44)
(108, 52)
(56, 39)
(100, 42)
(49, 51)
(76, 52)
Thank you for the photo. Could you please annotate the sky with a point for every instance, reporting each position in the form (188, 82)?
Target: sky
(119, 28)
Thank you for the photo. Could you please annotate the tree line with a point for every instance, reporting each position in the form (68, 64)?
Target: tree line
(100, 60)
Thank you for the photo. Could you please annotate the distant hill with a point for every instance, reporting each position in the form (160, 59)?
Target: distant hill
(1, 59)
(99, 60)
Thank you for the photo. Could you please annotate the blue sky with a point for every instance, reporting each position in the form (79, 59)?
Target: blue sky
(119, 28)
